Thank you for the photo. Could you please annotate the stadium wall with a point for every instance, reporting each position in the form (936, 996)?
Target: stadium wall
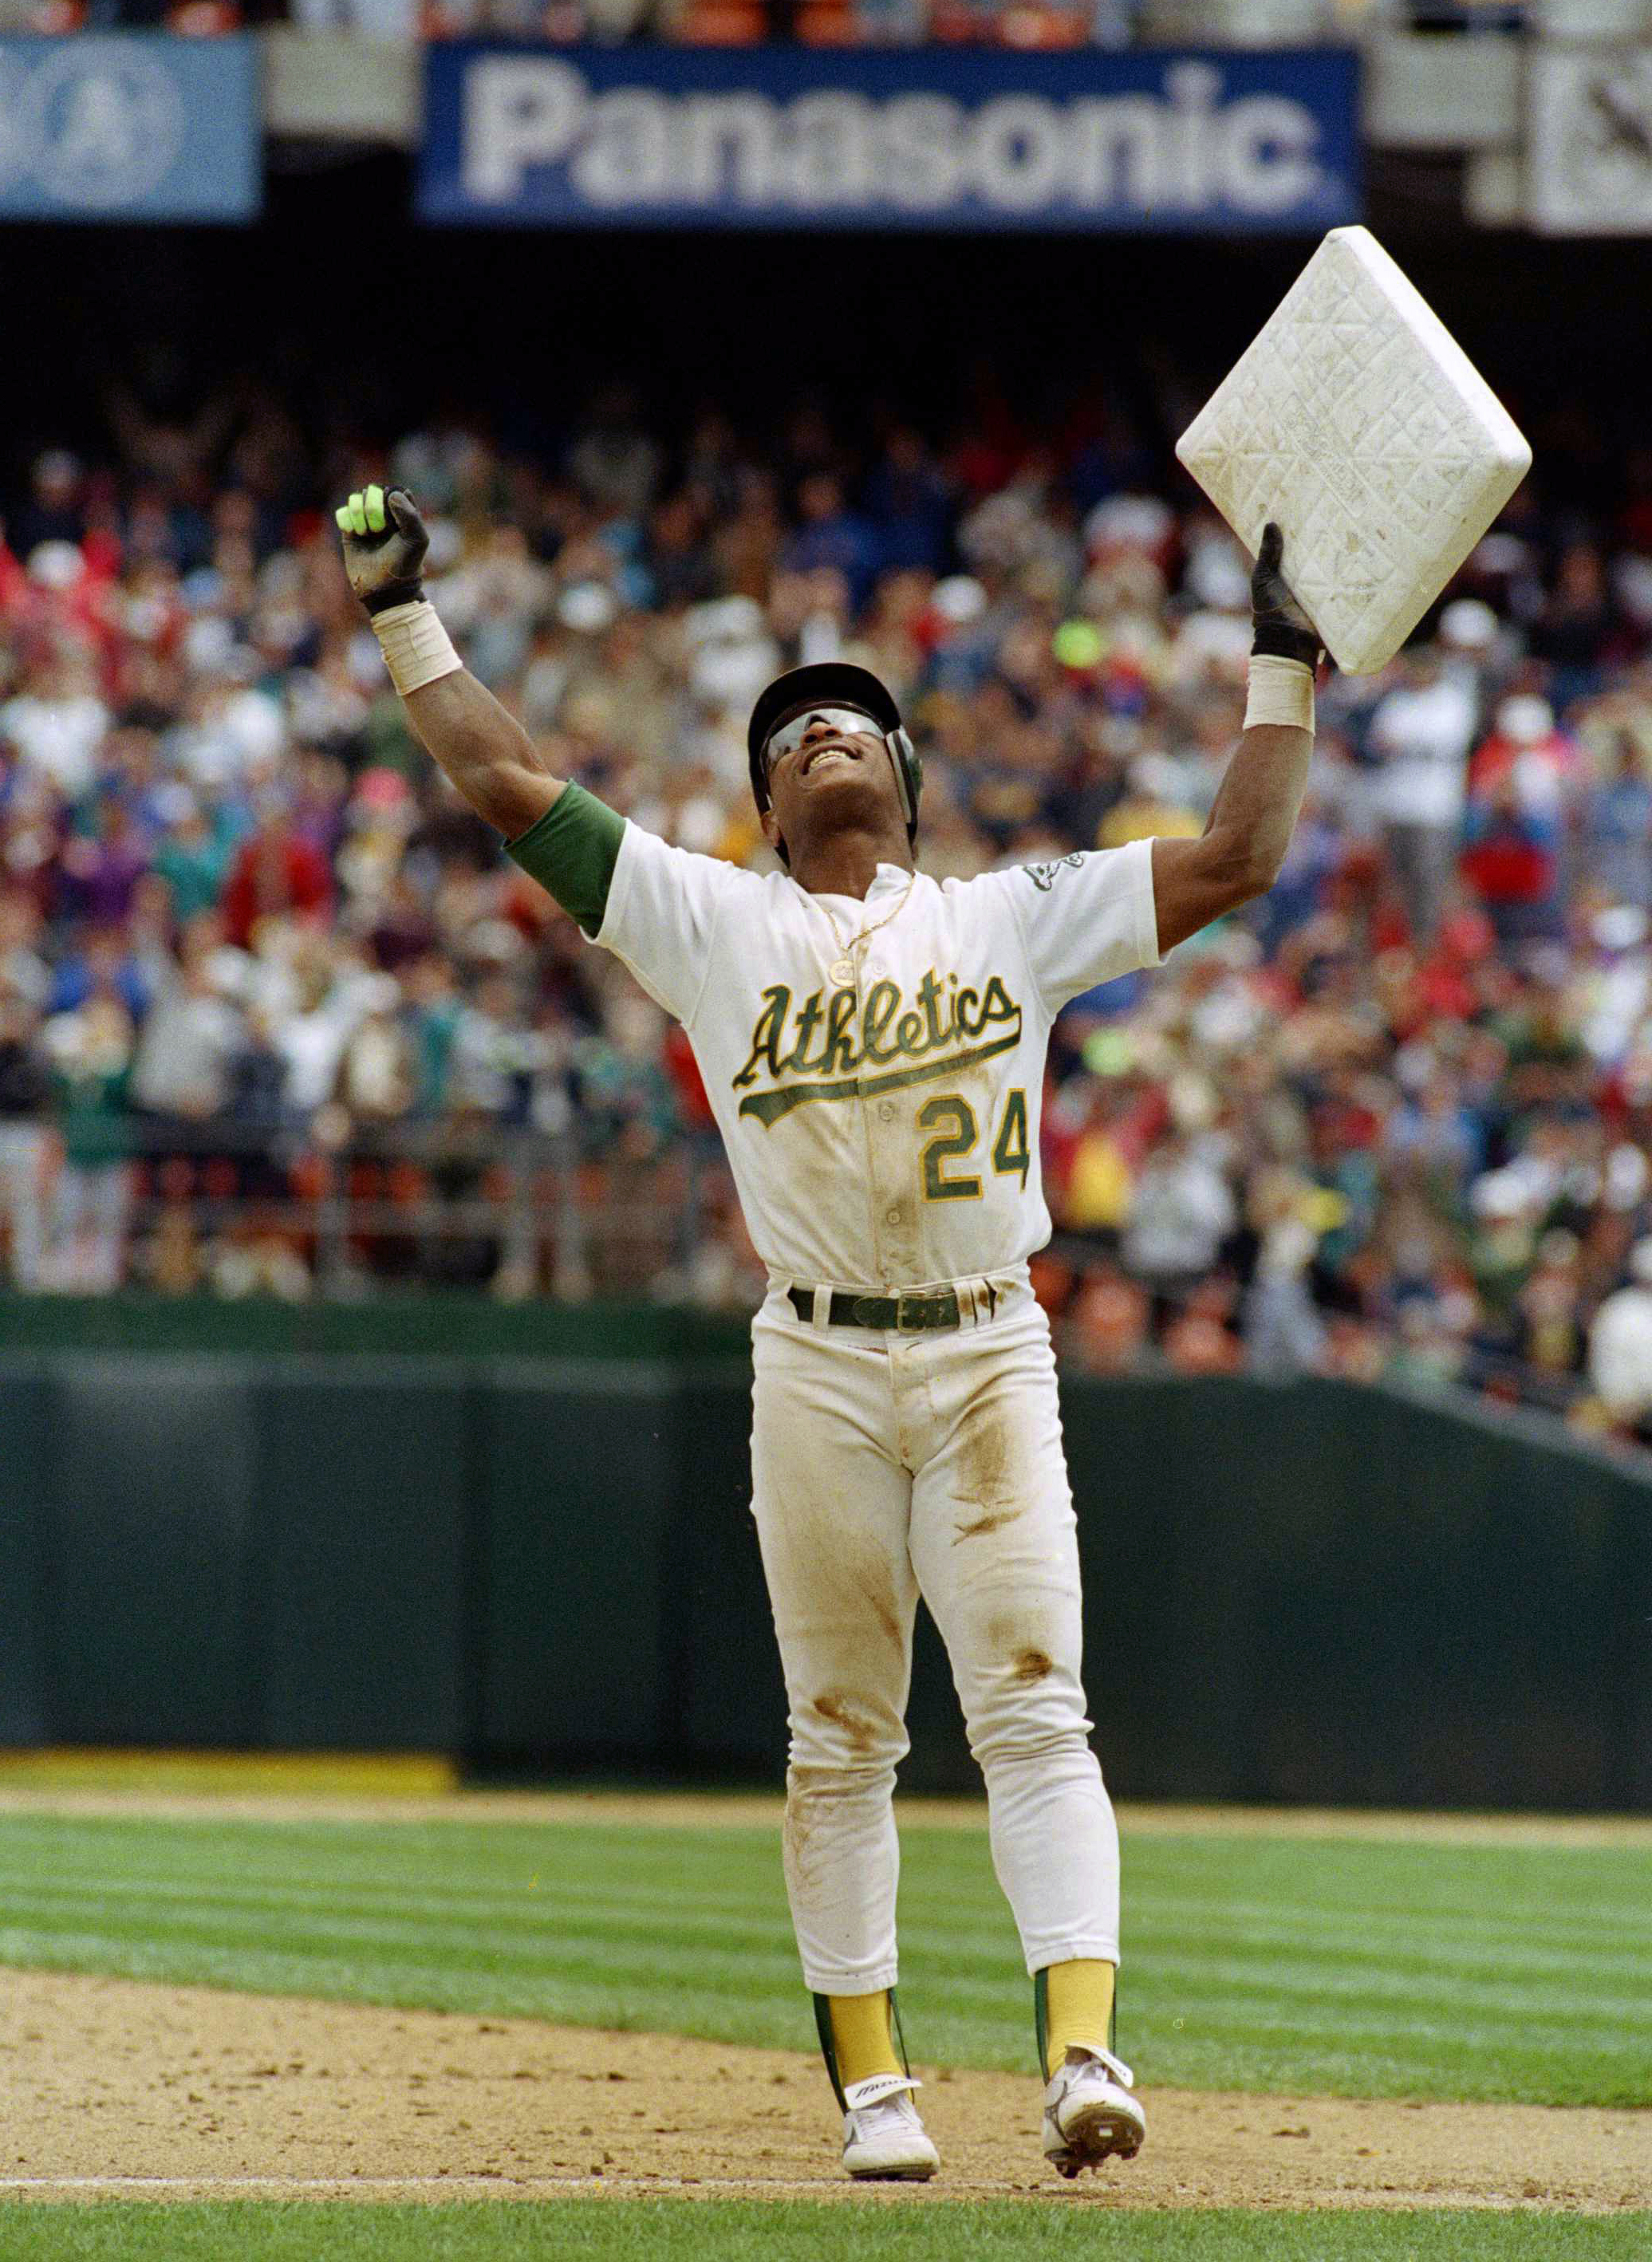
(1304, 1592)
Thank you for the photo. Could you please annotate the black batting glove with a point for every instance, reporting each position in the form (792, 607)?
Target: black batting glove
(1281, 625)
(384, 541)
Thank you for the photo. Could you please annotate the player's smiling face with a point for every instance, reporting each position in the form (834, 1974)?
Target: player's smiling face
(829, 773)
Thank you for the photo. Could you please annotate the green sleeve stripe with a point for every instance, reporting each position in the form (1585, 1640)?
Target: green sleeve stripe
(572, 852)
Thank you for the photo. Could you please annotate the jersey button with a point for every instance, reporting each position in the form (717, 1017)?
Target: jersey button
(892, 1217)
(886, 1110)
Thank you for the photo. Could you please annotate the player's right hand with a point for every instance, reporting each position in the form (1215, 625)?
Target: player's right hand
(384, 541)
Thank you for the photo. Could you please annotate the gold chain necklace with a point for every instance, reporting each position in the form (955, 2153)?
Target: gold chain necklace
(842, 968)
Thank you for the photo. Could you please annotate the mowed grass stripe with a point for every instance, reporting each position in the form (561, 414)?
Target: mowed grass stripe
(795, 2230)
(1358, 1966)
(1495, 1985)
(1365, 2002)
(534, 1893)
(670, 2006)
(556, 1863)
(1357, 1977)
(238, 1915)
(1601, 1920)
(1607, 1989)
(1244, 1954)
(1205, 1880)
(173, 1947)
(339, 1889)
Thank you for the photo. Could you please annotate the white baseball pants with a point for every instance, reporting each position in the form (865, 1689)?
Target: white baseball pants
(887, 1466)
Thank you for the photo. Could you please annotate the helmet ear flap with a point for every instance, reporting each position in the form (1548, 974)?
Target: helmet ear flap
(761, 795)
(909, 774)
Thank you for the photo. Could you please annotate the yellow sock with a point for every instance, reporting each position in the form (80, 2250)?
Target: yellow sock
(861, 2038)
(1077, 2007)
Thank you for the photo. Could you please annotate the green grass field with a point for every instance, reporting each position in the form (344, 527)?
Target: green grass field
(1374, 1967)
(710, 2231)
(1350, 1966)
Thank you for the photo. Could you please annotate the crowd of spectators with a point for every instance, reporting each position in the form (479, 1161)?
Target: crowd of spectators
(1047, 25)
(276, 1016)
(1020, 24)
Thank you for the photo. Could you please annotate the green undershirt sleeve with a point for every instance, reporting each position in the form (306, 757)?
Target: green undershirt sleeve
(572, 852)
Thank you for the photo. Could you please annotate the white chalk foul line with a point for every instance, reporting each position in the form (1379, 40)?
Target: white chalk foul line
(347, 2184)
(509, 2188)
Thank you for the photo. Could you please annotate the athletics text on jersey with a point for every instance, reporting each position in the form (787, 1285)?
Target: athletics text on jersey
(838, 1044)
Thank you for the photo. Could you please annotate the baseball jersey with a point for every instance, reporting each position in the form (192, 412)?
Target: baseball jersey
(882, 1130)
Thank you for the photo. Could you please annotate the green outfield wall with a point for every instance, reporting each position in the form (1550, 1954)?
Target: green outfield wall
(1309, 1591)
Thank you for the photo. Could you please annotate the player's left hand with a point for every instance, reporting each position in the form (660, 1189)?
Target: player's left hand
(1281, 625)
(384, 541)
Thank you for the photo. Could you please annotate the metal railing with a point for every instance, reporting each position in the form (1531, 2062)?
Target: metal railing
(458, 1200)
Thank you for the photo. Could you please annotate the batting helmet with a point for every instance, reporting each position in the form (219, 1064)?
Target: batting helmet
(834, 684)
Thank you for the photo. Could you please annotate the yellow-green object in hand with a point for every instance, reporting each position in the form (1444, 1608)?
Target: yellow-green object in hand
(363, 512)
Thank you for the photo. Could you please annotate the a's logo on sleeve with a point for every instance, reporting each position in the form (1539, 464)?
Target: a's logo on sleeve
(1043, 876)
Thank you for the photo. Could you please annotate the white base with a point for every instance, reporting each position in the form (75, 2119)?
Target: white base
(1356, 419)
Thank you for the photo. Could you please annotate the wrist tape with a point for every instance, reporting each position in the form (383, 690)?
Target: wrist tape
(416, 645)
(1282, 691)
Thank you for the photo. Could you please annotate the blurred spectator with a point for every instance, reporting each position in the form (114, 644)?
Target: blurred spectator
(1181, 1211)
(1621, 1345)
(1110, 1323)
(1283, 1332)
(833, 536)
(1201, 1339)
(90, 1052)
(614, 461)
(182, 1066)
(193, 849)
(910, 507)
(1422, 731)
(1577, 625)
(56, 722)
(1511, 857)
(25, 1091)
(276, 871)
(54, 509)
(1619, 826)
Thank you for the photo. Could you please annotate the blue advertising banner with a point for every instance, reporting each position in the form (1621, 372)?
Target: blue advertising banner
(771, 137)
(130, 126)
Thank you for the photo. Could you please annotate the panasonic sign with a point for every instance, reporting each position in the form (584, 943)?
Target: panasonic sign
(775, 138)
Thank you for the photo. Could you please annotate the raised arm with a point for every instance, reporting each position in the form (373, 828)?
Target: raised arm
(485, 751)
(1237, 856)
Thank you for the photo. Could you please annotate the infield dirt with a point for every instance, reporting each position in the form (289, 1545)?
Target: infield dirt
(116, 2088)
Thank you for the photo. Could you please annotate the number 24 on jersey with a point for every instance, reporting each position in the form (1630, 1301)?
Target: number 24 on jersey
(951, 1121)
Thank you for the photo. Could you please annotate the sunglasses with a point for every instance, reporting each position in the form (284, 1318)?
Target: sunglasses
(842, 722)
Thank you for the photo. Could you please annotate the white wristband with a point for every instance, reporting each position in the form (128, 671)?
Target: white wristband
(416, 645)
(1282, 691)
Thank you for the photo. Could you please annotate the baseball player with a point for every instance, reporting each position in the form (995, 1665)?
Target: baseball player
(872, 1042)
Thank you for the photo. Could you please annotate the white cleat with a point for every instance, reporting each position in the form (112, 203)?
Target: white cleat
(1089, 2114)
(883, 2140)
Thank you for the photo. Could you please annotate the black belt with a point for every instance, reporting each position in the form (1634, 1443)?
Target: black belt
(939, 1308)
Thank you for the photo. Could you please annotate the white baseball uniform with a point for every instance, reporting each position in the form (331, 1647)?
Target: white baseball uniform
(882, 1129)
